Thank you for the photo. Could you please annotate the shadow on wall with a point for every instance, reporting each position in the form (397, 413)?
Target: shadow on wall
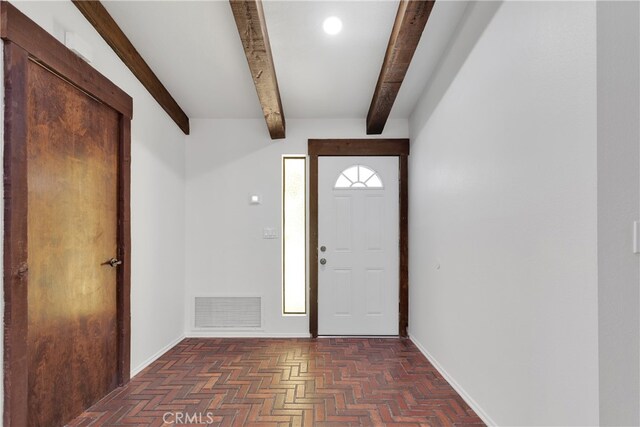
(475, 20)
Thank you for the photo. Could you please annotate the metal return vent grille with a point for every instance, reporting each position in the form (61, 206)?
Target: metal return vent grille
(228, 312)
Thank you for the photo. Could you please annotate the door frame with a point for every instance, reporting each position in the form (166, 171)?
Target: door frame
(359, 147)
(25, 41)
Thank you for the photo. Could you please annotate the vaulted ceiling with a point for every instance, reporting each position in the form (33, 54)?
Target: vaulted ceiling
(195, 50)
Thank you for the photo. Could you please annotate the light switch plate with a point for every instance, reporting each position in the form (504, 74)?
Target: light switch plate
(269, 233)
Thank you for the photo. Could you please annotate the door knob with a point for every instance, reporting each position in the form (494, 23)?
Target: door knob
(323, 261)
(114, 262)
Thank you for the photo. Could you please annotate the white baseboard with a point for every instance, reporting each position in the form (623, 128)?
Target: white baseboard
(135, 371)
(245, 334)
(457, 387)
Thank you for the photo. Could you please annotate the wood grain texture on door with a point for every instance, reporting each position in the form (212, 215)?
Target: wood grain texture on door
(72, 174)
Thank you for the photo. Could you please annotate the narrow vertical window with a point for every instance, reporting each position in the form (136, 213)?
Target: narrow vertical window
(294, 235)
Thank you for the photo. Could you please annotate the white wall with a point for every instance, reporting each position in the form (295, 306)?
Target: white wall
(503, 198)
(618, 207)
(227, 161)
(157, 193)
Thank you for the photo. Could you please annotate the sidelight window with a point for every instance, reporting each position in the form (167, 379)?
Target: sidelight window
(294, 235)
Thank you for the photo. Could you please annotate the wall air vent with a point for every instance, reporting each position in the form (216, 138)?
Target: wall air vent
(228, 312)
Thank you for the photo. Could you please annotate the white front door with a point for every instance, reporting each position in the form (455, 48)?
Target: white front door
(358, 252)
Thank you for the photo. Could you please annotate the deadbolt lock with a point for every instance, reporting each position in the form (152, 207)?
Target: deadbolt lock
(323, 248)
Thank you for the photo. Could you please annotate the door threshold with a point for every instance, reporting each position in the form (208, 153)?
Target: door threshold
(359, 336)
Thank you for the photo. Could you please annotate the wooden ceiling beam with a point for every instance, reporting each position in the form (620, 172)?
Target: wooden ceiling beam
(249, 17)
(107, 27)
(410, 22)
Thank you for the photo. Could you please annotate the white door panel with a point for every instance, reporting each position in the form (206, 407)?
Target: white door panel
(359, 284)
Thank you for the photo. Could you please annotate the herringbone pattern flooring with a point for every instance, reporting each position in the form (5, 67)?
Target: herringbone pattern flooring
(285, 382)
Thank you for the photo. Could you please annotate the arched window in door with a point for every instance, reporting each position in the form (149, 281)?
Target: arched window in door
(358, 176)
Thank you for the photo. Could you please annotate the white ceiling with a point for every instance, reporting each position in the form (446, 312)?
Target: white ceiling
(195, 50)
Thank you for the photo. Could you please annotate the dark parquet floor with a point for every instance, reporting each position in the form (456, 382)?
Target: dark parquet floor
(285, 382)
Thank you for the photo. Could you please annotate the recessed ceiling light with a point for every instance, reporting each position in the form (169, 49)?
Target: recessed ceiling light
(332, 25)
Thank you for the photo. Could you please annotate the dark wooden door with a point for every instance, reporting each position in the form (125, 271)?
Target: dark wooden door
(72, 180)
